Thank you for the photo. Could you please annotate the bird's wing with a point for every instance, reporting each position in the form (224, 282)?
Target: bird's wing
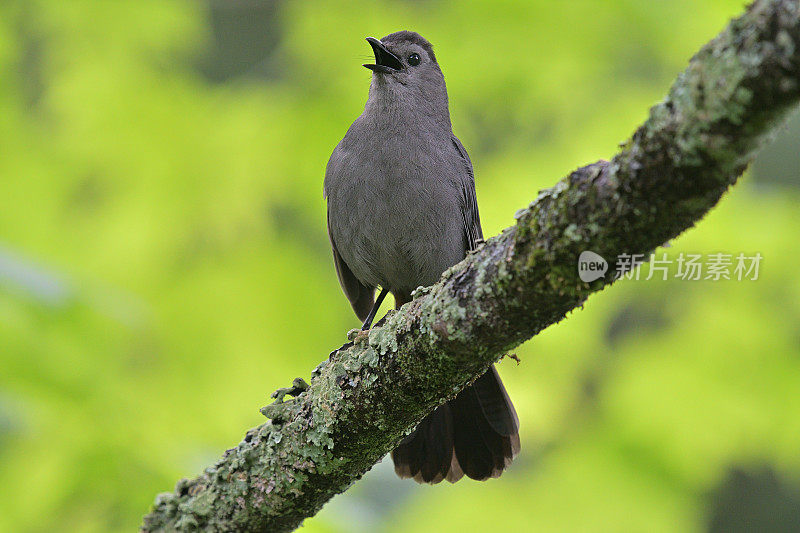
(361, 296)
(472, 220)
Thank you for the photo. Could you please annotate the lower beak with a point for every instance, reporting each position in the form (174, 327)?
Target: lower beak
(385, 61)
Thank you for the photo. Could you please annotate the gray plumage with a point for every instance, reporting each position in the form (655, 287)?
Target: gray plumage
(401, 210)
(401, 196)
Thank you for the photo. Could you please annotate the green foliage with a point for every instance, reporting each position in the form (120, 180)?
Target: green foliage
(164, 264)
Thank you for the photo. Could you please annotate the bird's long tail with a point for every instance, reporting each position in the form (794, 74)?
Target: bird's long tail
(476, 433)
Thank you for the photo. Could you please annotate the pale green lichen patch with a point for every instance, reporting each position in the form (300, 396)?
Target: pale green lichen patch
(369, 357)
(384, 339)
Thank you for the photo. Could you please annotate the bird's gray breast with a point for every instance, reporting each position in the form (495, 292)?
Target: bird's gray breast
(395, 209)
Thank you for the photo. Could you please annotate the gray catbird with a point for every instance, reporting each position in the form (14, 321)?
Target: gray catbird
(401, 210)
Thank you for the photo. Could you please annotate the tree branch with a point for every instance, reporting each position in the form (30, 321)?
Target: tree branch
(368, 395)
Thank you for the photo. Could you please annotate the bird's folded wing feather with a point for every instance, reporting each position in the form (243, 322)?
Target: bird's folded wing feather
(361, 296)
(469, 209)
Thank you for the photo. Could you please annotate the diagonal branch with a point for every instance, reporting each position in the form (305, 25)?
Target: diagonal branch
(361, 401)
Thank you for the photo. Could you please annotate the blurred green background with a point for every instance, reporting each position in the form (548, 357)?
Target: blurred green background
(164, 263)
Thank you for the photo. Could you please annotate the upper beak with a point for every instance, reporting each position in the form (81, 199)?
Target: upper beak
(385, 61)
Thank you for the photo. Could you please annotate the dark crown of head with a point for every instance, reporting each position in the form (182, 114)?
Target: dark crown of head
(413, 37)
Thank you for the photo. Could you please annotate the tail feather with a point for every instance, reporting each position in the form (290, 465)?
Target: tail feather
(497, 408)
(476, 433)
(427, 453)
(438, 445)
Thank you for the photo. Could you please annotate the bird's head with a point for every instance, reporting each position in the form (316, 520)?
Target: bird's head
(405, 64)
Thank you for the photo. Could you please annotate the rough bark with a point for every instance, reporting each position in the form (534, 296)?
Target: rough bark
(368, 395)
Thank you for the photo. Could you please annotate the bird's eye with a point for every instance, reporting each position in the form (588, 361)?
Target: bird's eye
(413, 60)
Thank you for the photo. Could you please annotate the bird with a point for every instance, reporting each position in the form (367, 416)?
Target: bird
(401, 209)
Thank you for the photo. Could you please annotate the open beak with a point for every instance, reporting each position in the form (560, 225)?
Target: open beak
(385, 61)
